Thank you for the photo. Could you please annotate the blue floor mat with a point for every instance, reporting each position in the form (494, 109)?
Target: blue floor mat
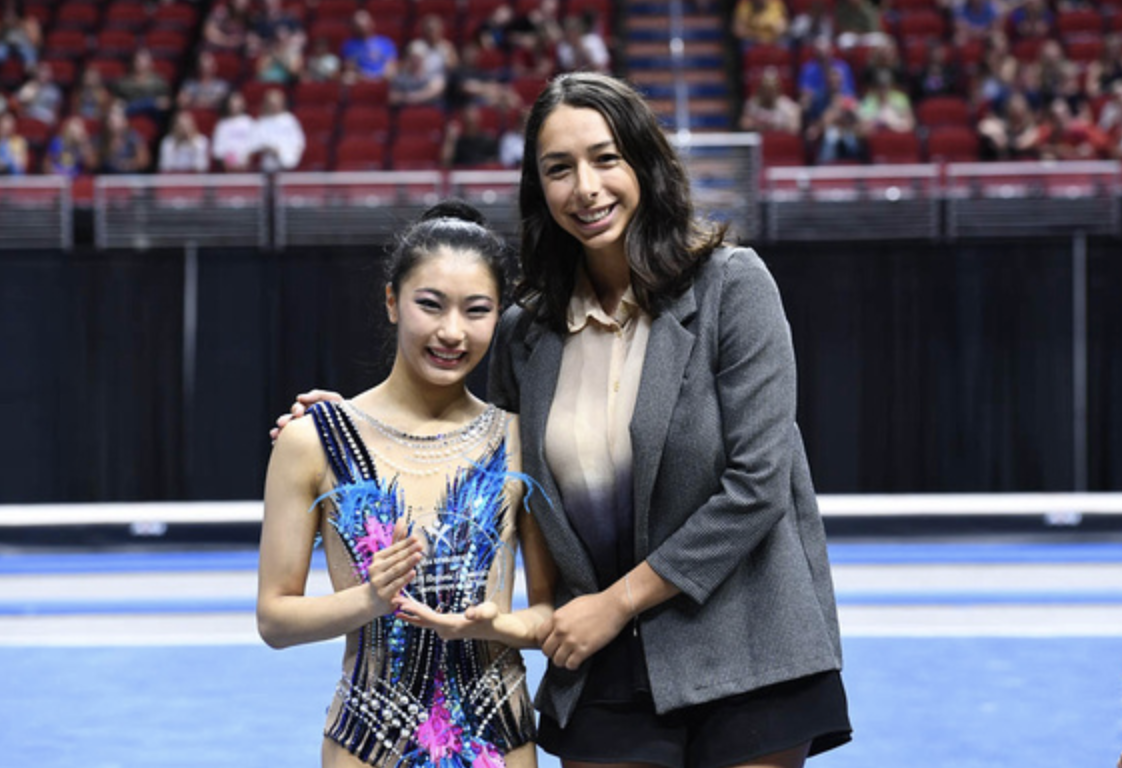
(920, 703)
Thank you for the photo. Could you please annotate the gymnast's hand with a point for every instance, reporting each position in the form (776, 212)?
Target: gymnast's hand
(476, 623)
(300, 407)
(581, 627)
(393, 568)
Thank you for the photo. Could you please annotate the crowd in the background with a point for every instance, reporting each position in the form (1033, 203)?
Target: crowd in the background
(1036, 79)
(229, 106)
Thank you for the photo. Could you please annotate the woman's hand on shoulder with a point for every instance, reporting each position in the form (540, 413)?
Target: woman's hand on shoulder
(300, 406)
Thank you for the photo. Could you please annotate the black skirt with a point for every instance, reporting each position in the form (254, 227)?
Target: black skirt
(715, 734)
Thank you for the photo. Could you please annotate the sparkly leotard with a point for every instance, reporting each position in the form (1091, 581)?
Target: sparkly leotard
(407, 697)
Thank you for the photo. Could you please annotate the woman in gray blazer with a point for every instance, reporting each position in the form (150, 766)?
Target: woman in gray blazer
(652, 366)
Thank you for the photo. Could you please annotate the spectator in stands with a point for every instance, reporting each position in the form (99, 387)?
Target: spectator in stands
(581, 47)
(184, 149)
(91, 99)
(273, 23)
(814, 22)
(512, 143)
(322, 65)
(14, 151)
(233, 139)
(278, 138)
(976, 20)
(857, 22)
(40, 97)
(442, 57)
(532, 56)
(469, 83)
(759, 22)
(414, 83)
(768, 109)
(143, 89)
(282, 58)
(886, 107)
(841, 140)
(228, 24)
(1105, 71)
(374, 55)
(20, 35)
(1031, 19)
(818, 85)
(121, 149)
(467, 143)
(884, 57)
(206, 90)
(938, 75)
(1065, 136)
(996, 77)
(71, 152)
(1009, 132)
(1110, 115)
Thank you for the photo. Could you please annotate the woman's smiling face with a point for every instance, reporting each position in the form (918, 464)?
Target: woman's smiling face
(445, 310)
(591, 190)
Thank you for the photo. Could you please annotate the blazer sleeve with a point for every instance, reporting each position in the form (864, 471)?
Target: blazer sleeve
(756, 391)
(502, 383)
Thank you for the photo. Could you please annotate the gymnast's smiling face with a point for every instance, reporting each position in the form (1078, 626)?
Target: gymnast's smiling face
(445, 309)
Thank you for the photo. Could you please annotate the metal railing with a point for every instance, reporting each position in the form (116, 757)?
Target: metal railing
(883, 202)
(36, 212)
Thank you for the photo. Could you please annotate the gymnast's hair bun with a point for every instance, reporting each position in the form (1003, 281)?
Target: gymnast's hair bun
(455, 209)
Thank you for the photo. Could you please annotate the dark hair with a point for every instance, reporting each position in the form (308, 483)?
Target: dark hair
(665, 243)
(451, 224)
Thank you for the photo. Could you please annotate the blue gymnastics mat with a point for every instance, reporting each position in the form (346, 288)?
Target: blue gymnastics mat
(917, 702)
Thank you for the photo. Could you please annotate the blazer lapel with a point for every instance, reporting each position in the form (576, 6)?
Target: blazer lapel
(664, 367)
(538, 384)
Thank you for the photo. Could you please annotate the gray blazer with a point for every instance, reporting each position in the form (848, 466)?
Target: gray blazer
(724, 504)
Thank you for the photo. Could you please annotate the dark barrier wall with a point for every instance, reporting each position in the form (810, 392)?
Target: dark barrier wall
(923, 367)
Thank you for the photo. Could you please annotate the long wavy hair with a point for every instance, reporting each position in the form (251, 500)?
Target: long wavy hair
(665, 242)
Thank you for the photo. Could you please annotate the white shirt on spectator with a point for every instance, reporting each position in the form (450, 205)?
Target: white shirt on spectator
(184, 156)
(234, 141)
(281, 137)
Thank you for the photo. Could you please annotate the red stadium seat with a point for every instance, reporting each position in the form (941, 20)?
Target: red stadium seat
(369, 93)
(66, 44)
(943, 110)
(110, 69)
(340, 9)
(315, 158)
(412, 152)
(1082, 23)
(176, 16)
(77, 15)
(118, 43)
(35, 132)
(892, 147)
(369, 121)
(1084, 51)
(782, 149)
(318, 121)
(123, 14)
(360, 153)
(319, 94)
(426, 122)
(205, 120)
(166, 42)
(952, 144)
(528, 88)
(767, 56)
(921, 24)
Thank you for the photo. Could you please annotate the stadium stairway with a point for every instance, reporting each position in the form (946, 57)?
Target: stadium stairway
(701, 69)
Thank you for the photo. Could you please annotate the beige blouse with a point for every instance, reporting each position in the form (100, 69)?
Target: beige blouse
(587, 439)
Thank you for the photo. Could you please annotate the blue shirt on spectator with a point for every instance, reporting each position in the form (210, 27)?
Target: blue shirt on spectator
(371, 54)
